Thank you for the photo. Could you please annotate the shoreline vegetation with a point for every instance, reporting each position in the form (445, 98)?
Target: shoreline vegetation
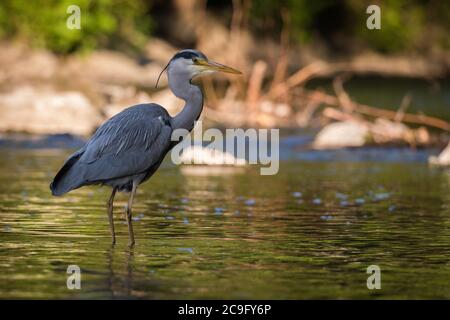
(43, 91)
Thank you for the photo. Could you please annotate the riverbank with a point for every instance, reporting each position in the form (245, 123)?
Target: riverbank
(45, 94)
(294, 146)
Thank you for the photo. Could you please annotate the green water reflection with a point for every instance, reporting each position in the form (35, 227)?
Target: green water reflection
(230, 235)
(430, 97)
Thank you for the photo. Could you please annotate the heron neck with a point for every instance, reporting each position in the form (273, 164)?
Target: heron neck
(193, 107)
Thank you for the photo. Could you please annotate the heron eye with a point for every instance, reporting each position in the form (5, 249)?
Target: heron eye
(194, 59)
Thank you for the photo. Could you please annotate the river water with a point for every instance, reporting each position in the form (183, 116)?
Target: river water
(310, 231)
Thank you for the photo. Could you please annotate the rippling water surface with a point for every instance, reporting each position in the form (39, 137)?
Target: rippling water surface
(309, 232)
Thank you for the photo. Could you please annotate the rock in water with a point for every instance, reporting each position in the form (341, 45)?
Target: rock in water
(341, 134)
(443, 159)
(209, 156)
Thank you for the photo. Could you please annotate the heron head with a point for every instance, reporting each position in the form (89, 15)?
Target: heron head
(190, 63)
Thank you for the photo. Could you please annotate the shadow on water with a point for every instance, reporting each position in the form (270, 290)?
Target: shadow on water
(308, 232)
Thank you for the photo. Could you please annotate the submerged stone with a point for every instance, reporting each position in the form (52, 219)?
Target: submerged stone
(138, 217)
(326, 217)
(344, 203)
(250, 202)
(218, 211)
(341, 196)
(381, 196)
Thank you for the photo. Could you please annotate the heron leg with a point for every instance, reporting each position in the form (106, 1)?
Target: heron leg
(129, 215)
(110, 215)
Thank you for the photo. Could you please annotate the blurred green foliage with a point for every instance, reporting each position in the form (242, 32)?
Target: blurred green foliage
(402, 25)
(103, 23)
(300, 14)
(340, 24)
(405, 24)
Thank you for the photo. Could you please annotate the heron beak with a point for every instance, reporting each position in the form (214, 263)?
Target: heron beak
(208, 65)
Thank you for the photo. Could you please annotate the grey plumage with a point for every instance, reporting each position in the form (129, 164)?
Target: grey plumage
(129, 144)
(128, 148)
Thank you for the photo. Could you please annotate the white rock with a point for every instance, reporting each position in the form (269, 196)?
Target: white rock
(209, 156)
(443, 159)
(30, 110)
(341, 134)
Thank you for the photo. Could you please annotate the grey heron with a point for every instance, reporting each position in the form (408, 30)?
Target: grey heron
(129, 147)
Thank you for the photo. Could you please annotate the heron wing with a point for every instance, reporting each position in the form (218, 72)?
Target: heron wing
(127, 144)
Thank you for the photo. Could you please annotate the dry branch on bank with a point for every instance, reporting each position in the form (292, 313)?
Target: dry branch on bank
(289, 88)
(267, 97)
(288, 104)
